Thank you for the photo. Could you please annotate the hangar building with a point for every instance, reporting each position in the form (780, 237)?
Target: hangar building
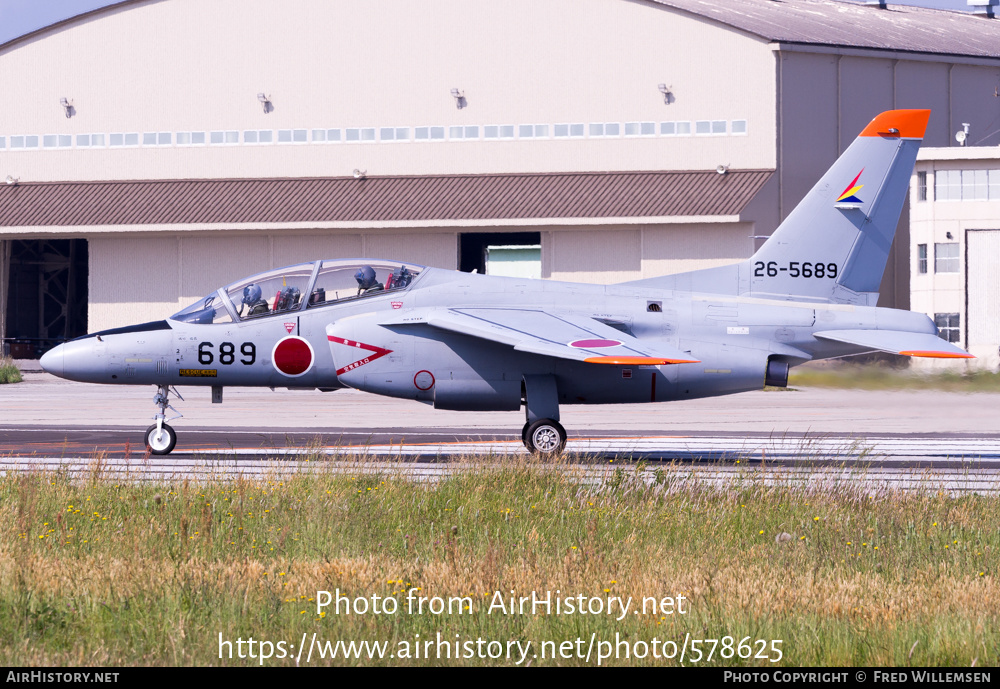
(955, 234)
(157, 149)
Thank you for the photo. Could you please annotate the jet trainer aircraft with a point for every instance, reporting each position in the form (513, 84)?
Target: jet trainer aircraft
(479, 342)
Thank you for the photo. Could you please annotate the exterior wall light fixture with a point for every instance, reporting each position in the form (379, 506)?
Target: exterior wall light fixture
(459, 97)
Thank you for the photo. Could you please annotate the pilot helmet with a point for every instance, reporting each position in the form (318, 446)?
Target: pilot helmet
(251, 294)
(365, 277)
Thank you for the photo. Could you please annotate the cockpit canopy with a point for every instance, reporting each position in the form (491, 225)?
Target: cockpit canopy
(299, 287)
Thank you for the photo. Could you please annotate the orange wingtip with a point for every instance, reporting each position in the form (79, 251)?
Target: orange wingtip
(907, 124)
(637, 360)
(938, 355)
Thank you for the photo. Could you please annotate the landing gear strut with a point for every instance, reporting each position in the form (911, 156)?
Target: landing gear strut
(542, 433)
(161, 438)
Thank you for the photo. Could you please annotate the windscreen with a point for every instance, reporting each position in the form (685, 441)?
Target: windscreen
(207, 310)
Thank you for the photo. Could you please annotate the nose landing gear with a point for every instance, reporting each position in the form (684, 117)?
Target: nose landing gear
(161, 438)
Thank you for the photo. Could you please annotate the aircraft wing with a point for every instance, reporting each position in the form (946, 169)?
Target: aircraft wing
(560, 335)
(898, 342)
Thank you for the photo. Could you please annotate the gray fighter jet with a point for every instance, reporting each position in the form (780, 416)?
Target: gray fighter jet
(478, 342)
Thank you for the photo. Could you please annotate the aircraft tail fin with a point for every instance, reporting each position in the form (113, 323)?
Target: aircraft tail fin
(835, 243)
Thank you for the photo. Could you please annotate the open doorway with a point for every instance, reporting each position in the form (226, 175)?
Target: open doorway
(46, 295)
(515, 254)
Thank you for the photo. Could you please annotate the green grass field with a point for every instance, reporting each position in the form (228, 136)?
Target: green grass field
(99, 573)
(9, 372)
(885, 377)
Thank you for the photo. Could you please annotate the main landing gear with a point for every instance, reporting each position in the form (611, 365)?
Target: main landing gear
(542, 433)
(161, 438)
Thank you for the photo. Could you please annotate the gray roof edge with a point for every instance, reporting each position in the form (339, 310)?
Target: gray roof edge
(70, 21)
(757, 24)
(899, 53)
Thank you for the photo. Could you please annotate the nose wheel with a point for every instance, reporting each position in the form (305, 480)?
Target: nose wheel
(161, 438)
(544, 437)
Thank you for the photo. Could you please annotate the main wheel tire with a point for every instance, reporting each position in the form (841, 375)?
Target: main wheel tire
(545, 437)
(161, 443)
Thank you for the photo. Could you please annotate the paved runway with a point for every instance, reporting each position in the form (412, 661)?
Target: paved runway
(49, 423)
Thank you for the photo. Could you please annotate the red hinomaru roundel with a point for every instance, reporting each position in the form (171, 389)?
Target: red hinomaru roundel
(292, 356)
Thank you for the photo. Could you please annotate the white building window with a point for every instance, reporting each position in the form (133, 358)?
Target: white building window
(703, 127)
(57, 140)
(568, 130)
(394, 133)
(948, 185)
(946, 257)
(718, 126)
(498, 131)
(24, 141)
(227, 137)
(948, 326)
(605, 129)
(258, 136)
(463, 132)
(127, 139)
(974, 185)
(738, 127)
(428, 133)
(640, 129)
(3, 142)
(190, 138)
(360, 134)
(922, 258)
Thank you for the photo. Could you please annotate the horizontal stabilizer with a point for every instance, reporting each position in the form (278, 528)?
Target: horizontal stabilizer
(898, 342)
(559, 335)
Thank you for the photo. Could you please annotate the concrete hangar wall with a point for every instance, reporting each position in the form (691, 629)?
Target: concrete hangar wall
(554, 95)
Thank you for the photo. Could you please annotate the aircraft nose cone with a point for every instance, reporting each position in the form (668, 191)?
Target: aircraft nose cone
(52, 360)
(74, 360)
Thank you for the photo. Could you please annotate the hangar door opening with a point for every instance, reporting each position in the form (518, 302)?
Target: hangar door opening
(982, 294)
(46, 295)
(509, 254)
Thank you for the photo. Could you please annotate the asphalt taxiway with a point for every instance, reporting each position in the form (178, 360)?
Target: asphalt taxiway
(46, 423)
